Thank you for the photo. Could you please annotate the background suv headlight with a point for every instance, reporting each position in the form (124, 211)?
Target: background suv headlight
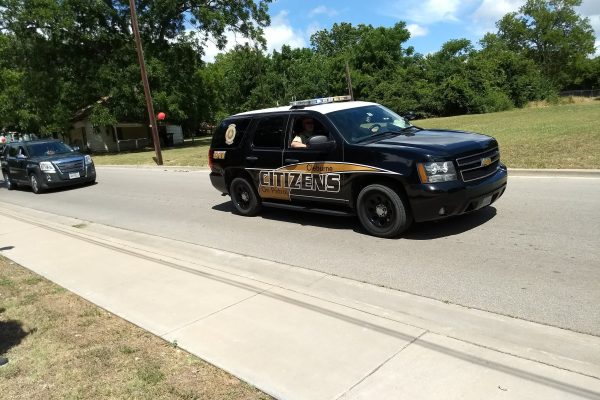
(46, 166)
(437, 171)
(88, 160)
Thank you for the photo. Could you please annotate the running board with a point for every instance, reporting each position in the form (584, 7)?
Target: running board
(309, 209)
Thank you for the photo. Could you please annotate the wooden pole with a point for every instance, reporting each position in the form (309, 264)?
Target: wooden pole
(147, 93)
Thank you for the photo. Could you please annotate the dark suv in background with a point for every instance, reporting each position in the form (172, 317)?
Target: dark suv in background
(44, 164)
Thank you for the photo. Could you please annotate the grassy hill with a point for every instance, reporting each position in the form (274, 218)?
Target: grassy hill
(558, 136)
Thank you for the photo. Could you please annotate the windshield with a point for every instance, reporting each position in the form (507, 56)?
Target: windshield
(48, 149)
(360, 123)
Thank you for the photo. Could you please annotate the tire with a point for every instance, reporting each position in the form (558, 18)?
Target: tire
(382, 212)
(10, 185)
(244, 197)
(35, 183)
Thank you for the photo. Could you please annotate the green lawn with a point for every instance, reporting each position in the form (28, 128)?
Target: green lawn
(560, 136)
(190, 154)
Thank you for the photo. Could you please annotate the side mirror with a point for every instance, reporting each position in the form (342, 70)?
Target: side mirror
(410, 116)
(76, 148)
(320, 142)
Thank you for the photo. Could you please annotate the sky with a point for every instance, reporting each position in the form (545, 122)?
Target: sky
(430, 22)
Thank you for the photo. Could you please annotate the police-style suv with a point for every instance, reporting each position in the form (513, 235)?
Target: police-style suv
(44, 164)
(360, 158)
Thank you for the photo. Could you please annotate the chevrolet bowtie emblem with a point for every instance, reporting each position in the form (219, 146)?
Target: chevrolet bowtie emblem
(486, 161)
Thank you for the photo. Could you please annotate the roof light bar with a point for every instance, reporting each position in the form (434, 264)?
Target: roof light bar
(320, 100)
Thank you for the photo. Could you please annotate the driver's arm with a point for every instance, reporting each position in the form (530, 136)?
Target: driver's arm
(297, 143)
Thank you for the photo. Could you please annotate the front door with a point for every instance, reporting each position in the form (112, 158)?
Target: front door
(314, 175)
(17, 162)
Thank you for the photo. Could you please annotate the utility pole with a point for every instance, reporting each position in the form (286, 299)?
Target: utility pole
(349, 81)
(138, 44)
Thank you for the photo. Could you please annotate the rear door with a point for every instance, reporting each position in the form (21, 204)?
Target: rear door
(264, 152)
(314, 174)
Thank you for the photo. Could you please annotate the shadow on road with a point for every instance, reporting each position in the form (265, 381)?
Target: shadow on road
(450, 226)
(419, 231)
(25, 188)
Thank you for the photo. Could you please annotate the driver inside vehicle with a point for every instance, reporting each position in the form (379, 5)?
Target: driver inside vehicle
(301, 138)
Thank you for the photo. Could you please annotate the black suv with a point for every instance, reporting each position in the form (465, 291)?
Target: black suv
(44, 164)
(360, 158)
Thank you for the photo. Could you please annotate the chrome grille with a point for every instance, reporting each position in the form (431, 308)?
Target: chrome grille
(474, 166)
(69, 166)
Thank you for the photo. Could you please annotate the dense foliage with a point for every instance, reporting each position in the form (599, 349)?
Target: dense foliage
(58, 56)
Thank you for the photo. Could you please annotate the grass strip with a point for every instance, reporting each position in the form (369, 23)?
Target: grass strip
(60, 346)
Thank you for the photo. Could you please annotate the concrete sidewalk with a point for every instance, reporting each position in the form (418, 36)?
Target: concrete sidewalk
(301, 334)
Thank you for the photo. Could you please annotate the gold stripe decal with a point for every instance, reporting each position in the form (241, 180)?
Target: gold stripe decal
(312, 177)
(328, 168)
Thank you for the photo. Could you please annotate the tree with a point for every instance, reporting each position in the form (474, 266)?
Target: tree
(70, 53)
(553, 35)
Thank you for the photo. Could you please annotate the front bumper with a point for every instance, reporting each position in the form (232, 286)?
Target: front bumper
(58, 179)
(435, 201)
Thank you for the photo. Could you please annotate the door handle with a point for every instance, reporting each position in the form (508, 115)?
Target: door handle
(291, 160)
(251, 158)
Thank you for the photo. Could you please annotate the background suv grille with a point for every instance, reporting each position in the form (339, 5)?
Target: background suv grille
(69, 166)
(473, 167)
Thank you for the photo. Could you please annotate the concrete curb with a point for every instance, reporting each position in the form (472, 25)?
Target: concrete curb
(587, 173)
(512, 171)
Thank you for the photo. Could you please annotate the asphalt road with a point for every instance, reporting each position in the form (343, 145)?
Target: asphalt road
(534, 254)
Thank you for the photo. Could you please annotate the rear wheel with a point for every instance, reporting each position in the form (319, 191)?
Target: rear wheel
(382, 212)
(10, 185)
(35, 184)
(244, 197)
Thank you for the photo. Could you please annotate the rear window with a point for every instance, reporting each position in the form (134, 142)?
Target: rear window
(230, 132)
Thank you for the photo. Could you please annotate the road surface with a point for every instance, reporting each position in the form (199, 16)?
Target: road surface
(534, 254)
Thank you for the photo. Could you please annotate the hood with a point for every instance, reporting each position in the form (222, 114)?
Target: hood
(70, 157)
(436, 141)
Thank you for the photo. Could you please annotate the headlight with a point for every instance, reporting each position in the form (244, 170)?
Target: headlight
(439, 171)
(47, 166)
(88, 160)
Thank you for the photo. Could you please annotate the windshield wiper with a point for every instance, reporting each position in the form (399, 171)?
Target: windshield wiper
(378, 135)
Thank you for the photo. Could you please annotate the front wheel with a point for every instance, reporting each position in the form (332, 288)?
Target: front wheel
(244, 197)
(35, 184)
(382, 212)
(10, 185)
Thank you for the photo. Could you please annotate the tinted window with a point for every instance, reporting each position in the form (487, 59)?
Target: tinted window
(227, 136)
(13, 151)
(270, 132)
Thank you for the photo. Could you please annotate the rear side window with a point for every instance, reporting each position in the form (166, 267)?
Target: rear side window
(270, 132)
(230, 132)
(13, 151)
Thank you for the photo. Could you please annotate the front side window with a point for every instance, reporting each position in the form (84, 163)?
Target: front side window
(270, 132)
(361, 123)
(303, 128)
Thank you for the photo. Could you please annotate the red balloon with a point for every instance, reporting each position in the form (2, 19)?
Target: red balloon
(161, 116)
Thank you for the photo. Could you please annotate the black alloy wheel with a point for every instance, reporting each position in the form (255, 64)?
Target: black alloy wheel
(244, 197)
(382, 212)
(36, 187)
